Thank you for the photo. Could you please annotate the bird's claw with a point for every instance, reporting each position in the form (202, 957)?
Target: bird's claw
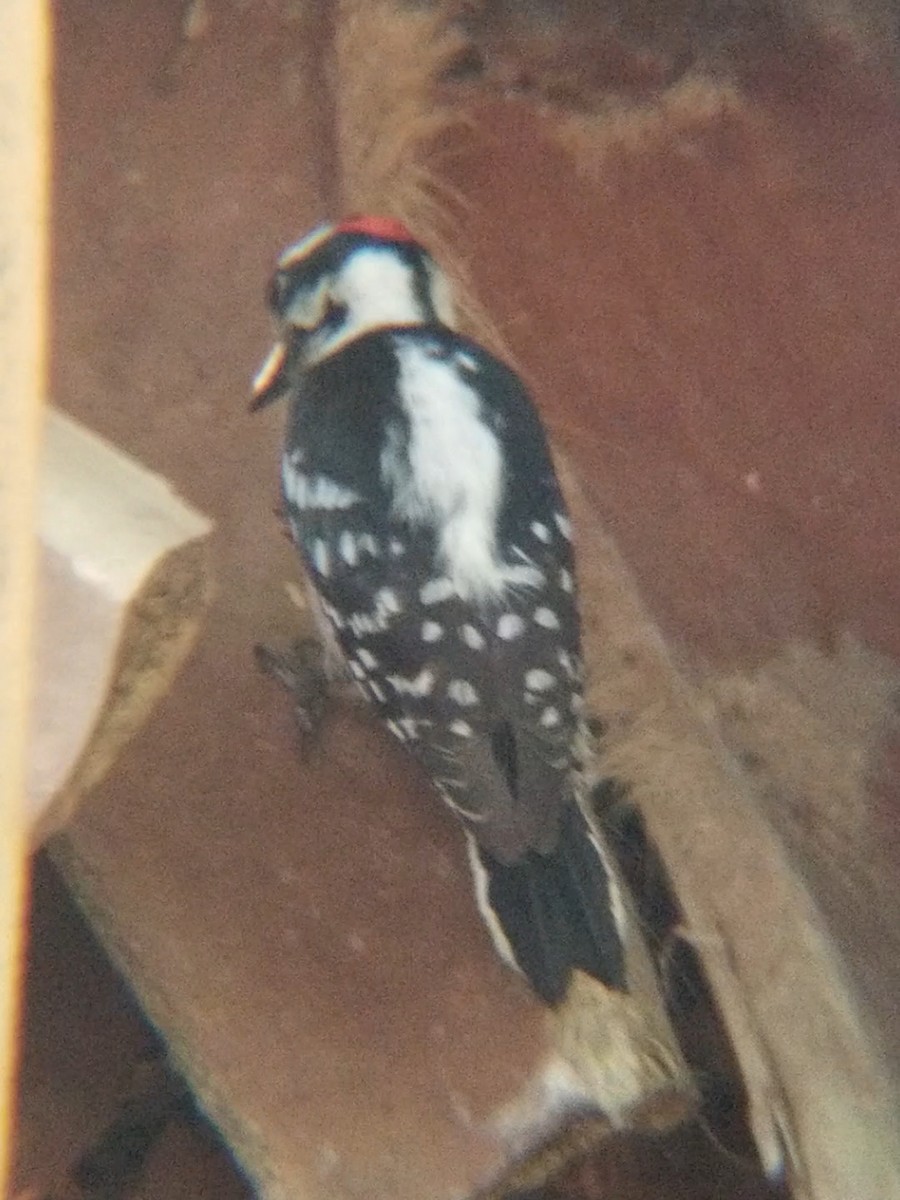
(298, 669)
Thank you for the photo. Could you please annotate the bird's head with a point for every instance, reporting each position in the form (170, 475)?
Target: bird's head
(342, 281)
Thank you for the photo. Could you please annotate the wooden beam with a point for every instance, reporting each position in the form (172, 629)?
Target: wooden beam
(124, 582)
(23, 201)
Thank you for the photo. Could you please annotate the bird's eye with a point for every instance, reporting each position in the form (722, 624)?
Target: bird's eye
(334, 312)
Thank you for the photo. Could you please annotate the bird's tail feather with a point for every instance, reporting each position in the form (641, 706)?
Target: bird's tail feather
(554, 913)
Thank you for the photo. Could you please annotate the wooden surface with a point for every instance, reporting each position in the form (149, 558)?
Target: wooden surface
(85, 1049)
(625, 285)
(304, 932)
(23, 304)
(124, 582)
(704, 313)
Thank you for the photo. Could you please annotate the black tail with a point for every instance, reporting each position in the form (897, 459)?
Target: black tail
(556, 910)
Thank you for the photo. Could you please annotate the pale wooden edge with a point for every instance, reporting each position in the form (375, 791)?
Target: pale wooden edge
(126, 578)
(145, 646)
(104, 512)
(24, 125)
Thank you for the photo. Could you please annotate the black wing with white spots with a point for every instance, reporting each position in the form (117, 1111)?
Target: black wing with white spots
(396, 514)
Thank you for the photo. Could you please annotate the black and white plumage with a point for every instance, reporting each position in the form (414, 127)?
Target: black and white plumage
(420, 492)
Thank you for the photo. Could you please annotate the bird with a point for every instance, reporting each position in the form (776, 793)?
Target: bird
(419, 490)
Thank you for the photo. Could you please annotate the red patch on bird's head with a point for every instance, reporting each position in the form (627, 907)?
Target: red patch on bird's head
(386, 229)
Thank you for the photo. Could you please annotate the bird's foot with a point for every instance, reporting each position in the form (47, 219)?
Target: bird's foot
(300, 669)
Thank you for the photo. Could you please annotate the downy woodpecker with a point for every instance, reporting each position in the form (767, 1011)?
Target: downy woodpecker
(420, 493)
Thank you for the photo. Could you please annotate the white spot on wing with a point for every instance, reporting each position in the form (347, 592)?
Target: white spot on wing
(387, 601)
(461, 692)
(386, 605)
(421, 685)
(539, 680)
(461, 728)
(570, 663)
(540, 531)
(523, 573)
(432, 631)
(349, 551)
(361, 624)
(565, 580)
(564, 525)
(367, 658)
(546, 617)
(472, 637)
(316, 491)
(550, 717)
(436, 590)
(522, 576)
(410, 727)
(321, 557)
(510, 626)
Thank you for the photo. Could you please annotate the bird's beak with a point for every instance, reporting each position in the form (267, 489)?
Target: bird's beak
(270, 381)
